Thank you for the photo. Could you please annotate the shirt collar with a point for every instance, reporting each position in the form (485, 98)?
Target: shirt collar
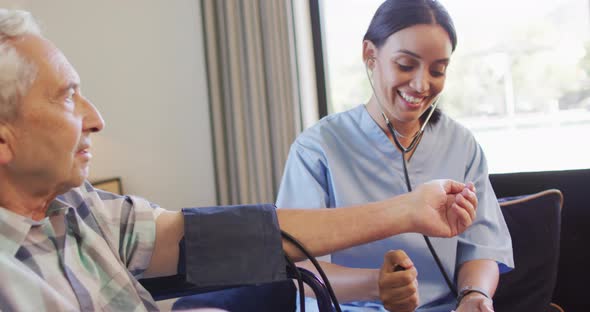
(381, 141)
(14, 227)
(375, 134)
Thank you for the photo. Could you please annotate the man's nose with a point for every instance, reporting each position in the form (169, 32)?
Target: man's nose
(93, 121)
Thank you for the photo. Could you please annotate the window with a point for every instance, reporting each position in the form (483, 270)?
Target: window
(519, 78)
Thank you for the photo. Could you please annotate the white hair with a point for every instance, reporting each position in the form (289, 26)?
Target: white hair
(16, 72)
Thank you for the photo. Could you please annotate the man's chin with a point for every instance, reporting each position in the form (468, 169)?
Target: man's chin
(83, 175)
(76, 180)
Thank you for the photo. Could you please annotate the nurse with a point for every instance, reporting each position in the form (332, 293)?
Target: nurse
(351, 158)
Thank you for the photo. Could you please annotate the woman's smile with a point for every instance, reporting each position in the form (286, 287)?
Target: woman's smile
(409, 101)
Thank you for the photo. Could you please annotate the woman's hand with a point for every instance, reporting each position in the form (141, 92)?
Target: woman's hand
(475, 302)
(444, 208)
(398, 288)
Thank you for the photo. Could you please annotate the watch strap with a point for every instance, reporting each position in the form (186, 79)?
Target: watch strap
(471, 289)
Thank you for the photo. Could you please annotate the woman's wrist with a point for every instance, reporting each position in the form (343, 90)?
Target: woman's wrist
(373, 284)
(471, 292)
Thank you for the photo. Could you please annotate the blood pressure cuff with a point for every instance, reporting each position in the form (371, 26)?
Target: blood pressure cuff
(232, 245)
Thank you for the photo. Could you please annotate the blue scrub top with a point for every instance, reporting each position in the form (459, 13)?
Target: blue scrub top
(347, 159)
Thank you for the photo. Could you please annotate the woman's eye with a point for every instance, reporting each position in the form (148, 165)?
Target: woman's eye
(405, 68)
(437, 73)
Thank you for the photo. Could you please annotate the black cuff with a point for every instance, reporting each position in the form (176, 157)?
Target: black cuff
(233, 245)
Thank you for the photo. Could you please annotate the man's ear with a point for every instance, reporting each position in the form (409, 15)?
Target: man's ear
(6, 137)
(369, 54)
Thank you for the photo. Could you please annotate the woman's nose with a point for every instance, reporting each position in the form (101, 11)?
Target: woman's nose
(421, 82)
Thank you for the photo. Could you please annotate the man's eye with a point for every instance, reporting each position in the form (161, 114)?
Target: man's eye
(70, 95)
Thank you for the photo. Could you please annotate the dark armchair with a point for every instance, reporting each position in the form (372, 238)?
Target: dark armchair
(534, 222)
(572, 276)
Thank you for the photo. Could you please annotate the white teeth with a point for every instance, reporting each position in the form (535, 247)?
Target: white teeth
(410, 98)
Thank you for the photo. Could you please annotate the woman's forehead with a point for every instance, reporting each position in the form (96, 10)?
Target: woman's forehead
(425, 40)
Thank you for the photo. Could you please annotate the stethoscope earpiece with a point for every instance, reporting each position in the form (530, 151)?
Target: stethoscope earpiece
(368, 63)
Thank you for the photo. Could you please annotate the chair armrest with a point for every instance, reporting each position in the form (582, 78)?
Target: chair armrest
(554, 307)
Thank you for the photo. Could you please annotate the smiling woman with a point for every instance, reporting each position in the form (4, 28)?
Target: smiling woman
(377, 149)
(408, 74)
(515, 84)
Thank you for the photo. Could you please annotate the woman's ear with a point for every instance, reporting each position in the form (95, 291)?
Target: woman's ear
(369, 54)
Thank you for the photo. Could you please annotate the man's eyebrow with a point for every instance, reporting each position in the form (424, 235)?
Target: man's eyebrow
(65, 89)
(443, 60)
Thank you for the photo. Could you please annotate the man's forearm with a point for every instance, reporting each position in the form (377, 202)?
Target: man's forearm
(323, 231)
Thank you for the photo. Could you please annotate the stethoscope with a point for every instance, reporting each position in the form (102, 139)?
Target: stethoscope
(415, 140)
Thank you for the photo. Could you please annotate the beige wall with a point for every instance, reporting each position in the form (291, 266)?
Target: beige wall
(142, 64)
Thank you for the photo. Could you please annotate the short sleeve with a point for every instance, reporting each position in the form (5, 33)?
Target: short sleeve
(488, 237)
(138, 234)
(304, 183)
(128, 224)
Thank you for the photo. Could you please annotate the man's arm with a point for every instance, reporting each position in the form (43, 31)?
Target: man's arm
(169, 232)
(436, 208)
(441, 208)
(326, 230)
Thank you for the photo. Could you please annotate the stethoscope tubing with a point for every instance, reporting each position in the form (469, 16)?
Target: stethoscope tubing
(405, 150)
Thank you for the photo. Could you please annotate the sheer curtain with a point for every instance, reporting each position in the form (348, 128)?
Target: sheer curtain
(254, 94)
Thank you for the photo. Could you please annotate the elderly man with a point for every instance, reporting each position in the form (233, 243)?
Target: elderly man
(67, 246)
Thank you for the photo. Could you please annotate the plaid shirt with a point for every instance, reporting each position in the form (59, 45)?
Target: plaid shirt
(85, 255)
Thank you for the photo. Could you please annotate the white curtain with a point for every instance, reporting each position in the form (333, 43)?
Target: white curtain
(254, 94)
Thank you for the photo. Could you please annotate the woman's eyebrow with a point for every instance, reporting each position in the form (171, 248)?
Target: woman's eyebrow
(404, 51)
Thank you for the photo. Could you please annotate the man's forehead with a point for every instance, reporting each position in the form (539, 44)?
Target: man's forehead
(47, 57)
